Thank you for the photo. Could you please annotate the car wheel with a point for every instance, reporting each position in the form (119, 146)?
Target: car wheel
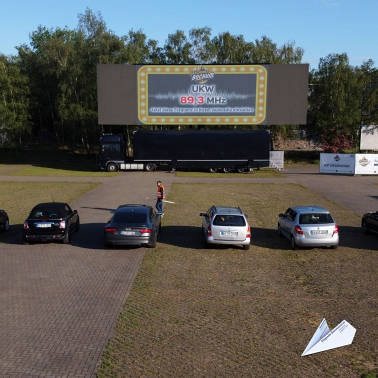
(67, 237)
(293, 243)
(150, 167)
(112, 167)
(246, 246)
(152, 244)
(365, 228)
(204, 241)
(279, 231)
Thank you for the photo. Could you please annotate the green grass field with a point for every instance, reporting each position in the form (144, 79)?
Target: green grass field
(18, 198)
(199, 312)
(262, 173)
(31, 170)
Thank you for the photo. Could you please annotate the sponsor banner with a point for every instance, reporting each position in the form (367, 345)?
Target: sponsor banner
(276, 160)
(369, 138)
(337, 163)
(366, 164)
(228, 94)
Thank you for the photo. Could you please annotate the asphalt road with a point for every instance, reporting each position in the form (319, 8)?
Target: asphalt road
(60, 303)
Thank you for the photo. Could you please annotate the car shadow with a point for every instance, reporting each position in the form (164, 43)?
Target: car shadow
(182, 236)
(99, 208)
(90, 236)
(191, 237)
(351, 237)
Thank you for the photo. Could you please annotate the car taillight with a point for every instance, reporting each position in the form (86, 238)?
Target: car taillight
(336, 230)
(209, 231)
(298, 230)
(248, 232)
(62, 224)
(110, 229)
(145, 231)
(26, 226)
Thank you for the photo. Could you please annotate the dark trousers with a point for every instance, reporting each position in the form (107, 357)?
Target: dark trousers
(159, 205)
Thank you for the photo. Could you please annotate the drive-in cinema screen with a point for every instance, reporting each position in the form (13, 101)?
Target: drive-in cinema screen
(208, 94)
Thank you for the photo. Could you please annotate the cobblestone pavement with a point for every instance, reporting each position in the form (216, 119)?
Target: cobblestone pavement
(60, 303)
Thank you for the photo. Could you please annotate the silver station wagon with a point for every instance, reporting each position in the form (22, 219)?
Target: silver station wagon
(308, 226)
(226, 225)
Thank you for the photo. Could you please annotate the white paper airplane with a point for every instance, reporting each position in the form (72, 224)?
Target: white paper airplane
(324, 339)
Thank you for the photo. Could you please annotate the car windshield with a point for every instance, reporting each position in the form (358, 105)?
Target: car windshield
(49, 213)
(315, 218)
(130, 217)
(229, 220)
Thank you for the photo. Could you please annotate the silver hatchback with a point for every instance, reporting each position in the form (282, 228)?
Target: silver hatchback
(308, 226)
(226, 225)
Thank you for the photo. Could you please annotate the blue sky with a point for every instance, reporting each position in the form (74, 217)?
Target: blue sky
(320, 27)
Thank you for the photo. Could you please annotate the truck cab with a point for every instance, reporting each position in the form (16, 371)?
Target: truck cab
(112, 152)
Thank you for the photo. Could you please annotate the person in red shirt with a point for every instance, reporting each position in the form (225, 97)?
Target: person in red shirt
(160, 197)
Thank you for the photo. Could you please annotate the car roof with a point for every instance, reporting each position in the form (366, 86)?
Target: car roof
(48, 205)
(310, 209)
(135, 208)
(227, 210)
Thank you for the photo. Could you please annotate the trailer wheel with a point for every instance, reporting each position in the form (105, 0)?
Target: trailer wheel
(240, 170)
(226, 170)
(150, 167)
(112, 167)
(213, 170)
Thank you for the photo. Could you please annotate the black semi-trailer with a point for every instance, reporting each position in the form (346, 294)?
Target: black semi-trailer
(198, 149)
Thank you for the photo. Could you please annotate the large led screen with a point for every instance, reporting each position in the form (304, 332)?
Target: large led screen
(205, 95)
(270, 94)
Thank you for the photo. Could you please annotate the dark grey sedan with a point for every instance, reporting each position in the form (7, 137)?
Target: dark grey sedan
(133, 225)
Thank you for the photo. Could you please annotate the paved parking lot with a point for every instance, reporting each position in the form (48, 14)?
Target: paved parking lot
(60, 303)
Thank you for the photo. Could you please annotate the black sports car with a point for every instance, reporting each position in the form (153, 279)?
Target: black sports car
(51, 221)
(133, 225)
(369, 222)
(4, 221)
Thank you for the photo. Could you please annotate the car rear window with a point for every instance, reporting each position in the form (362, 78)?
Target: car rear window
(130, 217)
(229, 220)
(48, 213)
(315, 218)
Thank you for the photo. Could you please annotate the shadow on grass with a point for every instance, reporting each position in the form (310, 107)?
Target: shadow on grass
(191, 237)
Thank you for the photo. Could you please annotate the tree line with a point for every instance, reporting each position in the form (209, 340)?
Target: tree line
(48, 90)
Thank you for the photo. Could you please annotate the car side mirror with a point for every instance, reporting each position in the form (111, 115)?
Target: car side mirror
(203, 214)
(281, 215)
(246, 215)
(75, 211)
